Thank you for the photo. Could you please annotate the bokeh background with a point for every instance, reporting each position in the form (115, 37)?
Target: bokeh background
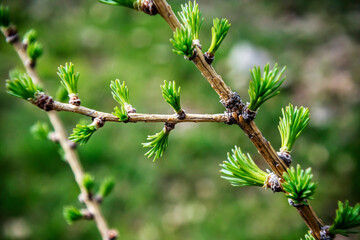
(181, 195)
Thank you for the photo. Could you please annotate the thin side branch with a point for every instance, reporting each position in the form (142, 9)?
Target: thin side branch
(71, 155)
(139, 117)
(277, 165)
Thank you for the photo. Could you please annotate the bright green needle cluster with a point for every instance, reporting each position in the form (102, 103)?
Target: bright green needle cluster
(158, 144)
(121, 113)
(40, 130)
(191, 18)
(4, 16)
(106, 187)
(72, 214)
(30, 37)
(34, 50)
(88, 182)
(262, 88)
(124, 3)
(171, 95)
(292, 124)
(183, 42)
(218, 33)
(298, 185)
(347, 217)
(69, 79)
(120, 93)
(22, 86)
(82, 133)
(240, 170)
(308, 236)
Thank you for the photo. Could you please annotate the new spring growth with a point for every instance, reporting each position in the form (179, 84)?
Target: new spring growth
(88, 182)
(240, 170)
(34, 51)
(146, 6)
(106, 187)
(70, 79)
(347, 217)
(22, 86)
(82, 133)
(72, 214)
(121, 113)
(218, 33)
(293, 122)
(183, 42)
(297, 183)
(171, 95)
(120, 93)
(262, 88)
(158, 142)
(4, 16)
(190, 16)
(40, 131)
(29, 37)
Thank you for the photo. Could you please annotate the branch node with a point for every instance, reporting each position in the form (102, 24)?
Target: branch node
(325, 233)
(193, 56)
(273, 182)
(44, 101)
(11, 35)
(293, 204)
(148, 7)
(112, 234)
(87, 215)
(209, 57)
(181, 114)
(74, 99)
(248, 114)
(169, 126)
(286, 156)
(99, 122)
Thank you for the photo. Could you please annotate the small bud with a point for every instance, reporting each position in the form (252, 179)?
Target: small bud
(112, 234)
(88, 182)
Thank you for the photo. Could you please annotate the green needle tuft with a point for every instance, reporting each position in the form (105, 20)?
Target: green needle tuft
(262, 88)
(191, 18)
(240, 170)
(347, 217)
(298, 185)
(72, 214)
(34, 50)
(291, 125)
(183, 42)
(171, 95)
(69, 79)
(4, 16)
(22, 86)
(88, 182)
(106, 187)
(82, 133)
(218, 32)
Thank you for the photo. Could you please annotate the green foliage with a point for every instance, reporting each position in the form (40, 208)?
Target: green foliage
(106, 187)
(263, 88)
(88, 182)
(218, 33)
(240, 170)
(346, 217)
(4, 16)
(171, 95)
(125, 3)
(182, 42)
(121, 113)
(298, 185)
(120, 93)
(69, 79)
(191, 18)
(40, 130)
(34, 50)
(82, 133)
(72, 214)
(308, 236)
(22, 86)
(292, 124)
(30, 36)
(158, 144)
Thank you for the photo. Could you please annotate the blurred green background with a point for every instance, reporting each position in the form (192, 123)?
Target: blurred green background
(181, 195)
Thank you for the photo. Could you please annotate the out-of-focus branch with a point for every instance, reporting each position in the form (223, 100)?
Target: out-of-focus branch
(71, 155)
